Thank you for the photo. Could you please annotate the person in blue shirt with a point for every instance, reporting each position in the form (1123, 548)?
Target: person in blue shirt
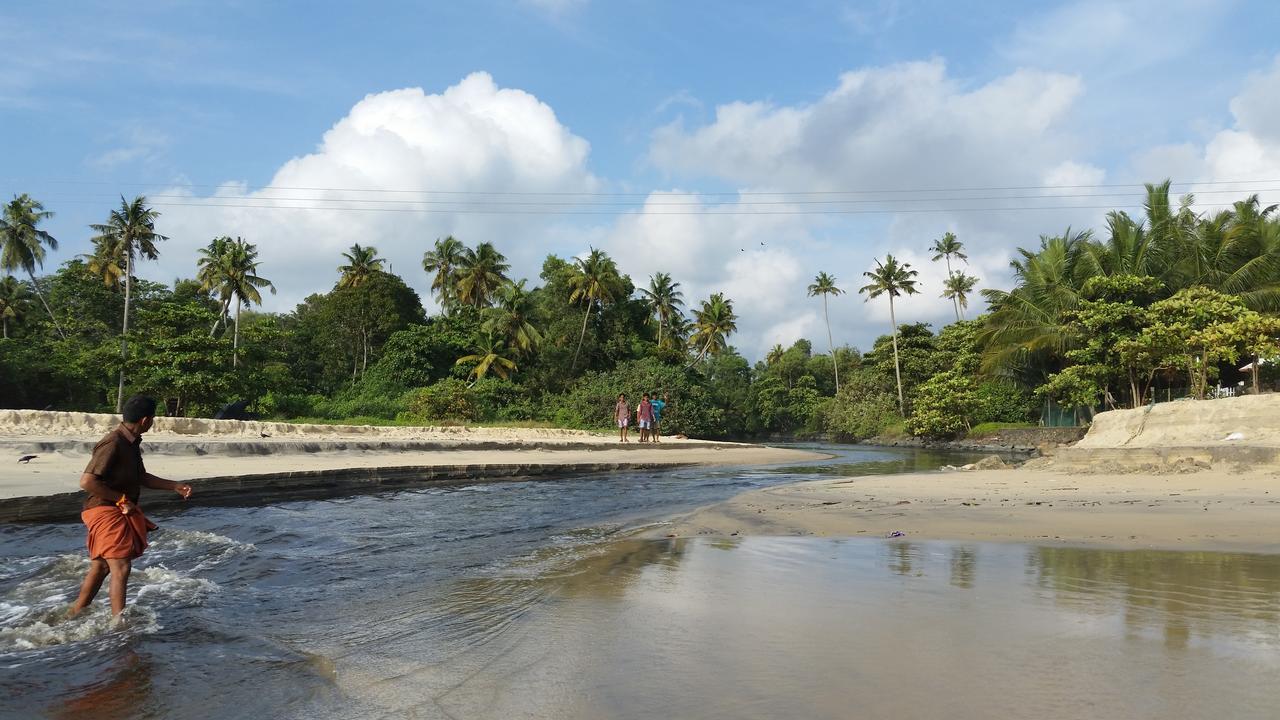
(656, 405)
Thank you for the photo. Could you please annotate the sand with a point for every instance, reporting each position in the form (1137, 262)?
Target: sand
(1213, 509)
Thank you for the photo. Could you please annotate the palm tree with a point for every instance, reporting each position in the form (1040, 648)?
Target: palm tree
(945, 248)
(664, 300)
(13, 302)
(489, 356)
(362, 263)
(892, 279)
(511, 319)
(234, 276)
(595, 280)
(22, 243)
(713, 323)
(132, 228)
(956, 288)
(825, 285)
(774, 355)
(212, 272)
(106, 262)
(445, 260)
(482, 272)
(1027, 322)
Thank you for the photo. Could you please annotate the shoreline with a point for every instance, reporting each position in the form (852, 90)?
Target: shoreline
(1211, 509)
(235, 470)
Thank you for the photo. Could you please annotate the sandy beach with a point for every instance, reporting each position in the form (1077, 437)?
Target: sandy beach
(230, 457)
(1183, 475)
(1208, 510)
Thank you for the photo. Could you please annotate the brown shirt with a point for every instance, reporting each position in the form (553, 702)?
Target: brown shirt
(117, 463)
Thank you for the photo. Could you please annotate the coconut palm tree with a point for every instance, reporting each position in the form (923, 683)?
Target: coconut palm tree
(213, 272)
(595, 280)
(489, 356)
(713, 323)
(480, 274)
(445, 260)
(824, 285)
(132, 227)
(13, 302)
(664, 300)
(510, 319)
(362, 263)
(945, 248)
(106, 262)
(892, 279)
(774, 356)
(22, 243)
(956, 288)
(1027, 322)
(238, 281)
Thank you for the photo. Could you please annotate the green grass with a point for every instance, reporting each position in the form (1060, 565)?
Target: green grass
(990, 428)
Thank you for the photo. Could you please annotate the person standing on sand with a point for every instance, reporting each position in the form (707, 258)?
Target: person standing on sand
(621, 415)
(644, 417)
(657, 404)
(117, 528)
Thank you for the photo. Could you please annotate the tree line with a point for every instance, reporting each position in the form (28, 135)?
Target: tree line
(1170, 299)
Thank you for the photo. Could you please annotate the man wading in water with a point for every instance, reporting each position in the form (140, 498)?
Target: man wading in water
(117, 528)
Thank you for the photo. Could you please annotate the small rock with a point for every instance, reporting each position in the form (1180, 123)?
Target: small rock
(991, 462)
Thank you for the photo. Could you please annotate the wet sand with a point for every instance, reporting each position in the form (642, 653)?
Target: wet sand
(1212, 509)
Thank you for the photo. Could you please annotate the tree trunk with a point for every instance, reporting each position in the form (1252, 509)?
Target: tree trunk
(124, 327)
(36, 287)
(1254, 373)
(897, 367)
(955, 304)
(6, 326)
(662, 323)
(830, 343)
(235, 339)
(581, 336)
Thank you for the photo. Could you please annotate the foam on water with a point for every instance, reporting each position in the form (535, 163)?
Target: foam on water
(33, 611)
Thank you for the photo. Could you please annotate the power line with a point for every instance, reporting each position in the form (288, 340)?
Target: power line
(640, 211)
(596, 203)
(523, 193)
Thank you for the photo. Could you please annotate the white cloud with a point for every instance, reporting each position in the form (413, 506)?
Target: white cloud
(908, 126)
(1112, 37)
(1248, 150)
(474, 136)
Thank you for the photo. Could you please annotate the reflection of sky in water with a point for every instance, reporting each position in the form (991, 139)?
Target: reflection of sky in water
(783, 627)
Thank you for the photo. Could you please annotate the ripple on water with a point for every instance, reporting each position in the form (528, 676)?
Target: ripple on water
(33, 609)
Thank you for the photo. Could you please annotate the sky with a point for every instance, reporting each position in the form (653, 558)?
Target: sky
(742, 147)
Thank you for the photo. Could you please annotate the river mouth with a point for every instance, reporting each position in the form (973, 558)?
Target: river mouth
(534, 599)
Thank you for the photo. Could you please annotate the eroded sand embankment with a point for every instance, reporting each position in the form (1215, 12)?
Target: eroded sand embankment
(1167, 477)
(234, 462)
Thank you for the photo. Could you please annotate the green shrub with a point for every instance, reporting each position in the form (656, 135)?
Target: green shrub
(858, 415)
(943, 406)
(450, 398)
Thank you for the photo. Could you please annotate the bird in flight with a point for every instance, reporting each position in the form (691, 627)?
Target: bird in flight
(27, 458)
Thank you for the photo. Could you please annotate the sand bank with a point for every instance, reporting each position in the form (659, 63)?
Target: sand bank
(232, 461)
(1210, 510)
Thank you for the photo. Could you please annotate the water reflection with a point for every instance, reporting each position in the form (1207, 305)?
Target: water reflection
(819, 628)
(1180, 595)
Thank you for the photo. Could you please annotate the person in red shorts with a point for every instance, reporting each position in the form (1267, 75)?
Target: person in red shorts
(117, 528)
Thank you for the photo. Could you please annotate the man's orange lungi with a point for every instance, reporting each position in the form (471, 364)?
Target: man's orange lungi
(114, 535)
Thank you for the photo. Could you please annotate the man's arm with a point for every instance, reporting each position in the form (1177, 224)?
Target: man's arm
(159, 483)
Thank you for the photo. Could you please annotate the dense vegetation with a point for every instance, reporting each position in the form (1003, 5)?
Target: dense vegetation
(1163, 305)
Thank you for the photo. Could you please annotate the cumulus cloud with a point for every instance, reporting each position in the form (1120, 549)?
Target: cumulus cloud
(473, 136)
(909, 126)
(1248, 150)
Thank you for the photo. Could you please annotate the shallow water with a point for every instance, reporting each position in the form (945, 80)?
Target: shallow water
(526, 599)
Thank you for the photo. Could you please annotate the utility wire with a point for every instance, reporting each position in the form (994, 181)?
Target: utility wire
(515, 193)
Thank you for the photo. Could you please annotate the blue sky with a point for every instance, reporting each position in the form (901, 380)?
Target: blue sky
(636, 97)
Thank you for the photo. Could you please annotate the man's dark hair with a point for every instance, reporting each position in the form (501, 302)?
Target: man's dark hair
(138, 407)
